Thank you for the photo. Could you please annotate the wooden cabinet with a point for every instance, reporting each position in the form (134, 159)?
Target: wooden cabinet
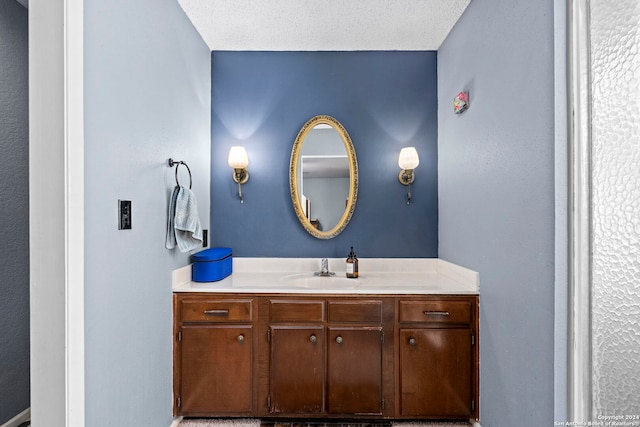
(437, 358)
(296, 337)
(323, 364)
(213, 356)
(326, 356)
(297, 370)
(355, 356)
(354, 370)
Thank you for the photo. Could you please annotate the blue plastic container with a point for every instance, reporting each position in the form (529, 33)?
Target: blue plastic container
(211, 265)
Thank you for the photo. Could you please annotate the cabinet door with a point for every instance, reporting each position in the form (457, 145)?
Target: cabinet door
(216, 369)
(435, 372)
(297, 369)
(354, 370)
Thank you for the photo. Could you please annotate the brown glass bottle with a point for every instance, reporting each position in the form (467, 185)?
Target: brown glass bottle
(352, 265)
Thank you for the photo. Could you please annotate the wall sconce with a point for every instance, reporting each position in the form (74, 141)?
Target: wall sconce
(408, 160)
(239, 161)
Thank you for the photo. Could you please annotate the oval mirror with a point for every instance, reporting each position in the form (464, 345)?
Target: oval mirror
(323, 177)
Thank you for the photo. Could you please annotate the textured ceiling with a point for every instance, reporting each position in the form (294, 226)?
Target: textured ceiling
(315, 25)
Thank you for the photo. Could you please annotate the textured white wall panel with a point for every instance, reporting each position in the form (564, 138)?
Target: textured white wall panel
(615, 36)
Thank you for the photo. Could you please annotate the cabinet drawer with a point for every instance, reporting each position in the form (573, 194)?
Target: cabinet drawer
(296, 311)
(355, 311)
(217, 311)
(435, 311)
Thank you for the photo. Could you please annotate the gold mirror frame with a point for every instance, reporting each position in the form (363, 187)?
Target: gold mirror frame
(353, 177)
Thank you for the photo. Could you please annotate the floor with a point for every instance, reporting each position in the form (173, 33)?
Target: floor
(364, 424)
(322, 424)
(217, 422)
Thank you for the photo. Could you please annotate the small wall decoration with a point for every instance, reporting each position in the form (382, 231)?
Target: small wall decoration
(461, 103)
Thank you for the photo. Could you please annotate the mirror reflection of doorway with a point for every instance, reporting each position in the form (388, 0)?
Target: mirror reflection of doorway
(325, 186)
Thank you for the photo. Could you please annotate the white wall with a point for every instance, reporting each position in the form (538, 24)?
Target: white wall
(147, 98)
(496, 196)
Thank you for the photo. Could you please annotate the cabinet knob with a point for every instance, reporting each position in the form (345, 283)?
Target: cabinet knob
(240, 338)
(412, 341)
(339, 339)
(313, 338)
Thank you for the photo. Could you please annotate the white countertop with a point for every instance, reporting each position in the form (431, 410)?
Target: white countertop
(389, 276)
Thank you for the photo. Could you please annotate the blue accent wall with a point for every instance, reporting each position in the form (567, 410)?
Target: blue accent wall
(385, 100)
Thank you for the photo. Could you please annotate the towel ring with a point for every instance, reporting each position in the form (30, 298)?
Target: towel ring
(177, 164)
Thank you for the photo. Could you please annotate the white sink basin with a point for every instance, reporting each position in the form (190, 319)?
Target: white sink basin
(309, 281)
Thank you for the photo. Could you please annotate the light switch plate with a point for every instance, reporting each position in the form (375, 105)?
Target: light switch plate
(124, 214)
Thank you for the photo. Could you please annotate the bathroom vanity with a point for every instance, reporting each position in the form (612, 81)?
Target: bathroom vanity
(400, 342)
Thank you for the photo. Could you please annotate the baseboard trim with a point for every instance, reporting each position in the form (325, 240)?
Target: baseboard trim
(18, 419)
(176, 421)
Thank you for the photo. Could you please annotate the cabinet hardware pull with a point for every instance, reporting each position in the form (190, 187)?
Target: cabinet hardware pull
(339, 339)
(222, 312)
(436, 313)
(412, 341)
(313, 338)
(240, 338)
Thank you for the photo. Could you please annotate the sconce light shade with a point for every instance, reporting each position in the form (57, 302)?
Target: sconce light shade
(408, 158)
(238, 158)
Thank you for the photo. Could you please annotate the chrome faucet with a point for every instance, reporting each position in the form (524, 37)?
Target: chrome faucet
(324, 269)
(325, 266)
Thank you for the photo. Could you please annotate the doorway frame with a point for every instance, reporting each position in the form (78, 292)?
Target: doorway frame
(579, 392)
(56, 212)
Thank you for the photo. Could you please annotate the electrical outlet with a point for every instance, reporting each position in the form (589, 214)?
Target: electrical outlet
(124, 214)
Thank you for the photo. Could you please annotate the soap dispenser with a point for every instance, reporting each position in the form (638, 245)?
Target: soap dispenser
(352, 265)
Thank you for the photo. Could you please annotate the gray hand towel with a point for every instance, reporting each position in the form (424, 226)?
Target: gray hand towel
(170, 241)
(186, 221)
